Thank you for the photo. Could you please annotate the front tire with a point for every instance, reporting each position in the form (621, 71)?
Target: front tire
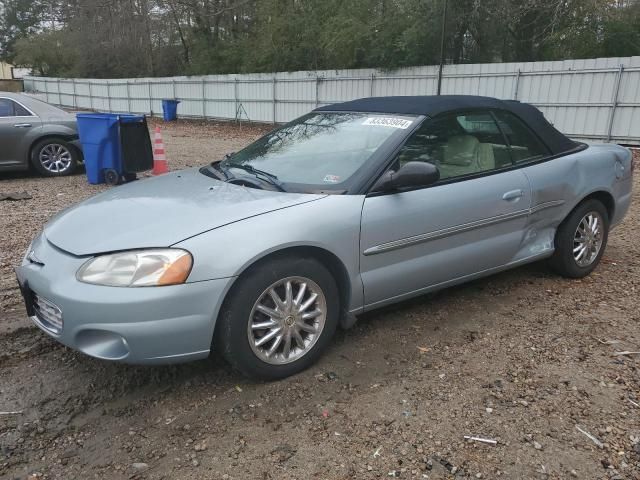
(581, 240)
(54, 157)
(279, 317)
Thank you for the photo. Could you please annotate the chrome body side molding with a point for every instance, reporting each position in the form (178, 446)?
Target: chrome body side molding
(445, 232)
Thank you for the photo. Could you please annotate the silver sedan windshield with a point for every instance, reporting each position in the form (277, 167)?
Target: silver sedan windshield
(321, 149)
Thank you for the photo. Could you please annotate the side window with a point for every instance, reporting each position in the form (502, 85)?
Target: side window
(6, 108)
(461, 144)
(525, 147)
(9, 108)
(20, 111)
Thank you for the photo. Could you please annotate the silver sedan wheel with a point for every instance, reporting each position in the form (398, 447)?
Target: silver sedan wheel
(55, 158)
(287, 320)
(587, 240)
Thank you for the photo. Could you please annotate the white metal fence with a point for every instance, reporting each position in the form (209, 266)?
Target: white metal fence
(593, 100)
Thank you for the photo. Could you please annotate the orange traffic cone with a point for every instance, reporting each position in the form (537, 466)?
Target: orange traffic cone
(159, 157)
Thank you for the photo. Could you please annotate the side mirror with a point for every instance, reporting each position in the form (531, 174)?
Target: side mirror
(411, 174)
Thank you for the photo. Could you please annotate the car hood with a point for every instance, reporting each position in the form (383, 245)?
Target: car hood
(160, 212)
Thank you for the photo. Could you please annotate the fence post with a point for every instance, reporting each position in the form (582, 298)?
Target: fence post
(128, 97)
(75, 97)
(372, 85)
(517, 85)
(614, 101)
(274, 99)
(235, 95)
(204, 98)
(173, 83)
(59, 95)
(90, 95)
(108, 96)
(317, 91)
(46, 89)
(150, 99)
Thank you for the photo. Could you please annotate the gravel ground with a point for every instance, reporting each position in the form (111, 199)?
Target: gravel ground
(524, 358)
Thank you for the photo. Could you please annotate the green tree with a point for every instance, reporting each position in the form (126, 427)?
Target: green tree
(19, 19)
(48, 54)
(122, 38)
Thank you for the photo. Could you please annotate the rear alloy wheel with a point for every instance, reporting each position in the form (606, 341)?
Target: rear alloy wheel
(53, 157)
(587, 239)
(278, 318)
(581, 240)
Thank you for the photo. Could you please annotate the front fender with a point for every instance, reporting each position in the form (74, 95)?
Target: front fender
(331, 224)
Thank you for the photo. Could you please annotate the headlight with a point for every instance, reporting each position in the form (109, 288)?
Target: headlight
(138, 268)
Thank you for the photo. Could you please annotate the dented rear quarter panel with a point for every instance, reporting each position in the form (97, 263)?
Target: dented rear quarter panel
(571, 178)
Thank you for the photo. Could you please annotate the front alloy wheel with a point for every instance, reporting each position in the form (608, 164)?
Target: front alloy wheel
(287, 320)
(279, 317)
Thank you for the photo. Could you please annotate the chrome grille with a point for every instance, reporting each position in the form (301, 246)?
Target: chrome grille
(48, 315)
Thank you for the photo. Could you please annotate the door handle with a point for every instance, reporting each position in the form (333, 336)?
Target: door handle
(22, 125)
(512, 195)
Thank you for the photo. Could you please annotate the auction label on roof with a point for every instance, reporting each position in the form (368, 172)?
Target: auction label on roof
(388, 122)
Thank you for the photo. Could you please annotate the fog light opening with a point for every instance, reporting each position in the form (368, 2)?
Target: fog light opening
(102, 344)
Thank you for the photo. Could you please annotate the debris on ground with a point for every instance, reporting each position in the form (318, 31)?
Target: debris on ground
(283, 452)
(15, 196)
(480, 439)
(591, 437)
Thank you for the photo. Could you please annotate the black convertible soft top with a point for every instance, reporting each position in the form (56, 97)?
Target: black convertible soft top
(432, 106)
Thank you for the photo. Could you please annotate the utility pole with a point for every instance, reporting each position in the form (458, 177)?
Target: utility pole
(442, 35)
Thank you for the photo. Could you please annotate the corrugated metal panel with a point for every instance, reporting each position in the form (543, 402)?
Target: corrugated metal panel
(592, 99)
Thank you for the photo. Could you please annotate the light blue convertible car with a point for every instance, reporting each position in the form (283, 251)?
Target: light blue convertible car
(351, 207)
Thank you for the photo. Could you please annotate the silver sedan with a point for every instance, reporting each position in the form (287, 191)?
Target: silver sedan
(36, 134)
(351, 207)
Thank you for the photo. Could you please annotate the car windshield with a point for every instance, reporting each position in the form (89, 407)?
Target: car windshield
(319, 150)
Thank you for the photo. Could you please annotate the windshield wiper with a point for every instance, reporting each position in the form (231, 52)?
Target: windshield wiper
(219, 172)
(270, 178)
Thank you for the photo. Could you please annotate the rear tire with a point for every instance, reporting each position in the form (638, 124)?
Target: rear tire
(54, 157)
(581, 240)
(290, 327)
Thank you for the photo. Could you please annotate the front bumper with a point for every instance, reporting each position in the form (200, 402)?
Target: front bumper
(145, 325)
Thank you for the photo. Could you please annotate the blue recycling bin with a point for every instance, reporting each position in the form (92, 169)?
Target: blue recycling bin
(102, 145)
(170, 110)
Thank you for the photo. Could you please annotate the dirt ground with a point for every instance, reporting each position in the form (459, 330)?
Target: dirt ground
(524, 358)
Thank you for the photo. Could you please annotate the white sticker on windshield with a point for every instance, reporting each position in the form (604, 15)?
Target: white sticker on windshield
(332, 179)
(388, 122)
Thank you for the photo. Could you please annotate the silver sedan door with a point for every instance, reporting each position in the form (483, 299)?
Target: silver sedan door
(15, 124)
(472, 221)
